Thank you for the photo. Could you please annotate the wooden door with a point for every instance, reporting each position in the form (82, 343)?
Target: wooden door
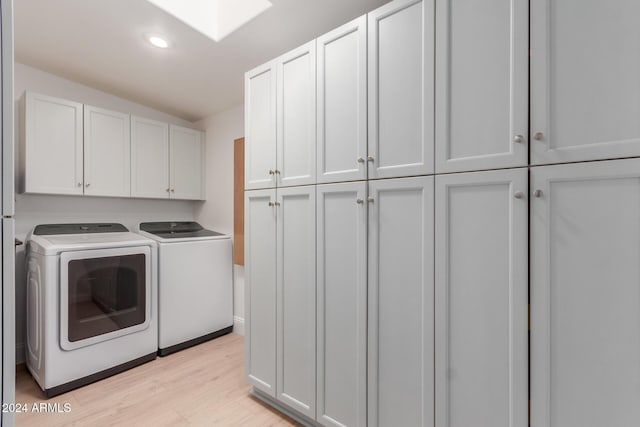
(585, 294)
(260, 126)
(107, 152)
(260, 290)
(584, 80)
(481, 297)
(400, 89)
(342, 304)
(400, 303)
(342, 103)
(149, 158)
(296, 113)
(482, 84)
(296, 298)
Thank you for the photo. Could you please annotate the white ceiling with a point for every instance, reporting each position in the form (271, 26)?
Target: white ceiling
(100, 43)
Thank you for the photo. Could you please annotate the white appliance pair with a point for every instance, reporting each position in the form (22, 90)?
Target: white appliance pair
(101, 299)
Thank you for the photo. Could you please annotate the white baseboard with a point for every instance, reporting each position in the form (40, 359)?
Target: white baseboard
(20, 350)
(238, 325)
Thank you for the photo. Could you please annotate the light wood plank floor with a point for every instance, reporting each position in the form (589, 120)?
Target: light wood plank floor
(200, 386)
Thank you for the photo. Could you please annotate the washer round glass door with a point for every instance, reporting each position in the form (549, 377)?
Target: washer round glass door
(104, 293)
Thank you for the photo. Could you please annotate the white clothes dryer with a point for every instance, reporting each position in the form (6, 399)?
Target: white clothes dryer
(91, 303)
(195, 283)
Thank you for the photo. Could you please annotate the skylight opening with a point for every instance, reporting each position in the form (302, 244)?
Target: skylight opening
(215, 19)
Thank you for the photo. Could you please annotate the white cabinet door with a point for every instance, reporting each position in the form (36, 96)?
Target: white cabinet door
(401, 81)
(585, 100)
(107, 153)
(342, 103)
(585, 294)
(149, 158)
(260, 127)
(53, 149)
(482, 84)
(296, 124)
(186, 163)
(260, 289)
(296, 298)
(400, 326)
(481, 297)
(342, 304)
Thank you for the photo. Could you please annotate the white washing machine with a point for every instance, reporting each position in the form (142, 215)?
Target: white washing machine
(91, 303)
(195, 283)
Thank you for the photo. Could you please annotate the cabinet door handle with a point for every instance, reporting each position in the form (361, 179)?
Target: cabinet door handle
(359, 201)
(167, 190)
(518, 194)
(537, 193)
(271, 172)
(360, 160)
(370, 159)
(538, 136)
(173, 190)
(79, 184)
(277, 203)
(277, 172)
(87, 184)
(270, 203)
(518, 138)
(370, 199)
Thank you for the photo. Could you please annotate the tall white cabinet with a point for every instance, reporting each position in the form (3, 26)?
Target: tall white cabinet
(400, 302)
(342, 103)
(342, 304)
(260, 295)
(584, 90)
(401, 89)
(280, 265)
(482, 84)
(260, 127)
(585, 294)
(481, 297)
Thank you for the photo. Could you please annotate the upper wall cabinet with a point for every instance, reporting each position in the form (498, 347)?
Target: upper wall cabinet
(584, 89)
(260, 127)
(401, 81)
(116, 155)
(296, 116)
(342, 103)
(186, 163)
(481, 84)
(107, 145)
(52, 146)
(149, 158)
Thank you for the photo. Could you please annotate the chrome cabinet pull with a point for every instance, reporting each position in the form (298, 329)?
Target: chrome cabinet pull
(271, 172)
(518, 138)
(518, 194)
(277, 203)
(370, 159)
(360, 160)
(538, 136)
(359, 201)
(370, 199)
(270, 203)
(537, 193)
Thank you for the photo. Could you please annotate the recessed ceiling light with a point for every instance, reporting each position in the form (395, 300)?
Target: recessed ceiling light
(158, 41)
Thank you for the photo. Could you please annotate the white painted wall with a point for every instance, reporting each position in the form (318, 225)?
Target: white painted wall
(41, 209)
(217, 213)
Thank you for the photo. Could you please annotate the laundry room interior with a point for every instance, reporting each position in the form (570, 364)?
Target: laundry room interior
(320, 213)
